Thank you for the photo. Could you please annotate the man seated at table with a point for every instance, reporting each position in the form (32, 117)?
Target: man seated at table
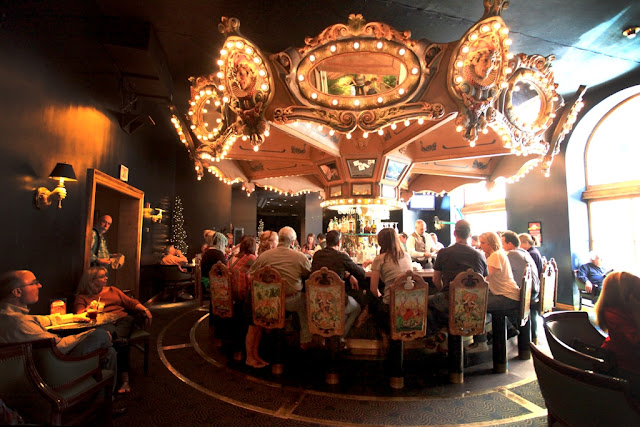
(592, 274)
(527, 243)
(353, 275)
(173, 256)
(294, 267)
(18, 290)
(519, 258)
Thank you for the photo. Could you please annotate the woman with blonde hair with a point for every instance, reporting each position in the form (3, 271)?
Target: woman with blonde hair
(268, 240)
(504, 292)
(92, 292)
(618, 312)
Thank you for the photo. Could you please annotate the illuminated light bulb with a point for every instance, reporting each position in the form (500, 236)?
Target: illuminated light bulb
(473, 37)
(333, 48)
(193, 104)
(199, 178)
(458, 79)
(505, 84)
(504, 31)
(320, 128)
(510, 56)
(312, 58)
(420, 121)
(485, 131)
(459, 128)
(190, 113)
(256, 148)
(496, 25)
(332, 132)
(380, 99)
(300, 77)
(465, 49)
(472, 144)
(256, 59)
(356, 45)
(229, 44)
(248, 50)
(244, 137)
(552, 115)
(379, 45)
(192, 126)
(262, 73)
(334, 102)
(197, 167)
(459, 64)
(365, 134)
(380, 132)
(225, 99)
(402, 51)
(264, 86)
(208, 92)
(220, 62)
(508, 70)
(414, 70)
(223, 52)
(308, 125)
(407, 123)
(393, 126)
(507, 42)
(217, 103)
(204, 110)
(484, 28)
(266, 133)
(239, 45)
(349, 136)
(401, 91)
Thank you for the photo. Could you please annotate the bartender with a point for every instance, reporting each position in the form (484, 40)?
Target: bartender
(420, 245)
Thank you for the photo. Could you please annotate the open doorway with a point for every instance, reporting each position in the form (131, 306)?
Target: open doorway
(109, 196)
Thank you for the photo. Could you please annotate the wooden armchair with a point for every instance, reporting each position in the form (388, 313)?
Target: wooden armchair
(408, 319)
(468, 294)
(582, 291)
(577, 397)
(268, 306)
(325, 313)
(48, 387)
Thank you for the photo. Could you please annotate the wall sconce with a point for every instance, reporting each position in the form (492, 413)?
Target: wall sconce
(62, 172)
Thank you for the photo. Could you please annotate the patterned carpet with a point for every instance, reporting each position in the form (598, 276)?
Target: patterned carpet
(193, 382)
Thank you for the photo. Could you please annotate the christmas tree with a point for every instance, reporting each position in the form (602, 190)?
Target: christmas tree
(179, 235)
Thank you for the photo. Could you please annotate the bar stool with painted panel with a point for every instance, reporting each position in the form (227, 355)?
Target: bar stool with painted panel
(468, 294)
(268, 306)
(221, 298)
(325, 313)
(408, 318)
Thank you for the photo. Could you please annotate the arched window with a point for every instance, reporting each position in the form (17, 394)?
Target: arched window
(612, 172)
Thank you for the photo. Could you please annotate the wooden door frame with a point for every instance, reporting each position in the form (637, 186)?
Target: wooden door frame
(95, 178)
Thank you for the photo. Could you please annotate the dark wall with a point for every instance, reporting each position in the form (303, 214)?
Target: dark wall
(244, 211)
(206, 203)
(44, 119)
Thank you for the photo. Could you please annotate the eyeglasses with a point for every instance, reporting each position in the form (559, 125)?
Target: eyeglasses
(35, 282)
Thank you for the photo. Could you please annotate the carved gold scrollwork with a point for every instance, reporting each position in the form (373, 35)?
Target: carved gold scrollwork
(477, 72)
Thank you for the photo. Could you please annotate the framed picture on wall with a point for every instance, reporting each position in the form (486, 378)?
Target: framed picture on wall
(361, 189)
(335, 191)
(535, 230)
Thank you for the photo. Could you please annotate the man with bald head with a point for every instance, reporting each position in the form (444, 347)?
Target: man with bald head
(18, 290)
(294, 267)
(100, 255)
(420, 245)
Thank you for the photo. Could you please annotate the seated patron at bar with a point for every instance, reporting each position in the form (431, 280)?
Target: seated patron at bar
(353, 275)
(420, 245)
(592, 273)
(451, 261)
(20, 289)
(294, 267)
(526, 243)
(519, 259)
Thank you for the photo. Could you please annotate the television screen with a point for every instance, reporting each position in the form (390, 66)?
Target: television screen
(423, 201)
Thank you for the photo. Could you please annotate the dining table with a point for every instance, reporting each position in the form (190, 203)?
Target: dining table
(77, 327)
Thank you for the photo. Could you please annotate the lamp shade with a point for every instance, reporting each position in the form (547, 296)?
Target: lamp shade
(63, 171)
